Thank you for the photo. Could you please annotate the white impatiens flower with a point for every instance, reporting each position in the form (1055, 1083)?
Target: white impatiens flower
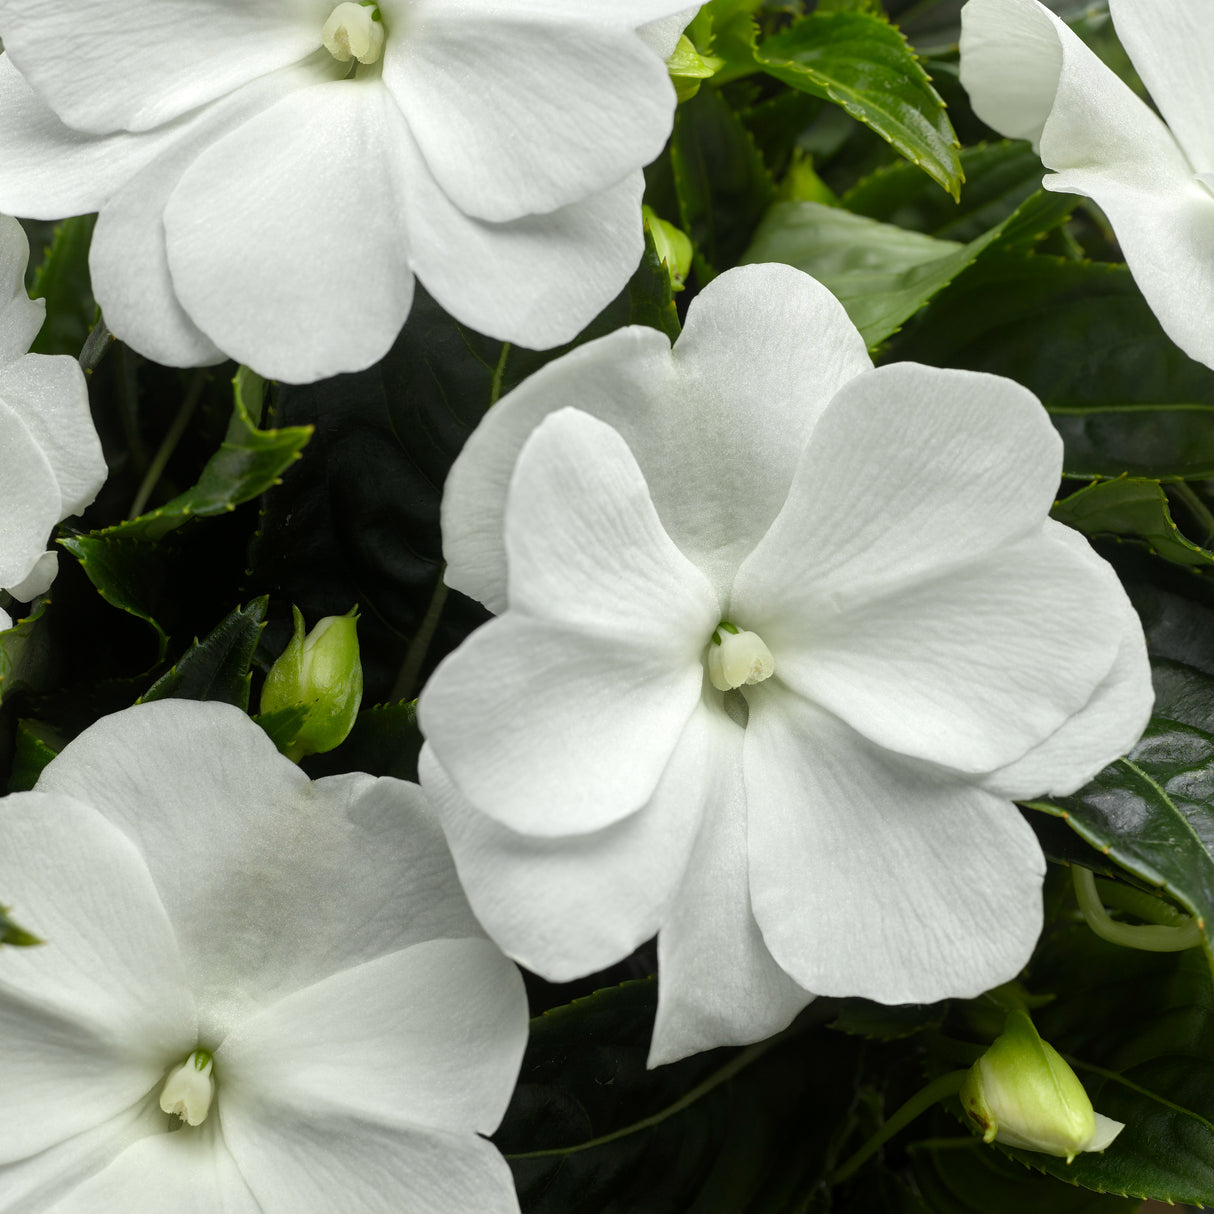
(1031, 77)
(272, 176)
(50, 458)
(258, 994)
(908, 641)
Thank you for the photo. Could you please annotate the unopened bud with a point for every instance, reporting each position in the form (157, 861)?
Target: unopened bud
(1021, 1093)
(672, 247)
(687, 68)
(320, 673)
(737, 658)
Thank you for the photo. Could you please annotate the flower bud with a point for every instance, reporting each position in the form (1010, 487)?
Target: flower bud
(738, 659)
(687, 68)
(1022, 1094)
(320, 673)
(672, 245)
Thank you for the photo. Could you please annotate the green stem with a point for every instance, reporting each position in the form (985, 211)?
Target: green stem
(1197, 508)
(499, 374)
(405, 687)
(169, 444)
(1153, 938)
(96, 344)
(945, 1086)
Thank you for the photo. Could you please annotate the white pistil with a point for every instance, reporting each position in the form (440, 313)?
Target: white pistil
(354, 31)
(738, 659)
(189, 1089)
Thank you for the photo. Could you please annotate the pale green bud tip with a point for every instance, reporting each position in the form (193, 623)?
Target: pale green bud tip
(1022, 1094)
(688, 67)
(672, 246)
(322, 673)
(354, 31)
(189, 1089)
(737, 658)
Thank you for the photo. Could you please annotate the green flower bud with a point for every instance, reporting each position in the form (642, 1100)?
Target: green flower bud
(672, 245)
(1022, 1094)
(687, 68)
(321, 674)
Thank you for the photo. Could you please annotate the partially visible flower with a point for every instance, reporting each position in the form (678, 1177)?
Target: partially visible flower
(271, 177)
(50, 457)
(781, 638)
(1022, 1093)
(1031, 77)
(258, 994)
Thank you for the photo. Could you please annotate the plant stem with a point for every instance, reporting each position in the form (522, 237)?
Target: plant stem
(169, 443)
(1153, 938)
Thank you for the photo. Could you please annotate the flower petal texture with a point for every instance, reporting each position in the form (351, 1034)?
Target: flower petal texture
(843, 823)
(197, 892)
(51, 464)
(1031, 77)
(264, 198)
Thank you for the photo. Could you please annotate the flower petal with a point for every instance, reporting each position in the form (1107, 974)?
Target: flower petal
(300, 206)
(190, 1172)
(238, 841)
(954, 464)
(1105, 144)
(716, 434)
(569, 906)
(875, 876)
(109, 65)
(717, 982)
(304, 1160)
(20, 317)
(598, 656)
(91, 1019)
(30, 504)
(429, 1036)
(51, 396)
(523, 114)
(1171, 44)
(964, 669)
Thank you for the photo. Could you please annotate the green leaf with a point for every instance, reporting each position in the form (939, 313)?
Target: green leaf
(217, 668)
(385, 741)
(1124, 398)
(62, 279)
(881, 1022)
(861, 62)
(282, 725)
(720, 181)
(13, 933)
(36, 745)
(727, 1132)
(651, 293)
(1132, 509)
(25, 652)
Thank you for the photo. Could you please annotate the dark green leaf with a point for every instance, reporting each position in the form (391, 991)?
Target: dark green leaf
(651, 294)
(36, 745)
(217, 668)
(720, 181)
(861, 62)
(1125, 399)
(25, 652)
(1132, 509)
(863, 1018)
(62, 279)
(385, 741)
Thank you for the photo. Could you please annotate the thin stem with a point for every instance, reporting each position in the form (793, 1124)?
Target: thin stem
(169, 443)
(920, 1102)
(96, 344)
(1153, 938)
(405, 687)
(1197, 508)
(499, 374)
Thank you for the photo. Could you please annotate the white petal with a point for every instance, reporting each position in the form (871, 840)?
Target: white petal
(521, 115)
(1105, 728)
(717, 428)
(199, 785)
(51, 395)
(966, 669)
(429, 1036)
(30, 503)
(51, 170)
(599, 655)
(295, 218)
(188, 1172)
(1103, 143)
(1106, 1130)
(1171, 44)
(20, 316)
(956, 464)
(662, 35)
(875, 876)
(627, 14)
(110, 65)
(91, 1018)
(310, 1160)
(38, 580)
(569, 906)
(717, 982)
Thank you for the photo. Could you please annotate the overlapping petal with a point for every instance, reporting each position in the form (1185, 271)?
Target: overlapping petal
(20, 316)
(29, 499)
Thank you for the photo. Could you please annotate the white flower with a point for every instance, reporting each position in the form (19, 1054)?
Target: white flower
(50, 458)
(1031, 77)
(935, 646)
(301, 949)
(271, 176)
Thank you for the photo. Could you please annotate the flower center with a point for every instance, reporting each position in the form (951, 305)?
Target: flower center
(737, 658)
(354, 31)
(189, 1089)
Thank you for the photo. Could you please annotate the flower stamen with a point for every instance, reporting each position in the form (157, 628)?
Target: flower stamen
(354, 31)
(189, 1090)
(737, 658)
